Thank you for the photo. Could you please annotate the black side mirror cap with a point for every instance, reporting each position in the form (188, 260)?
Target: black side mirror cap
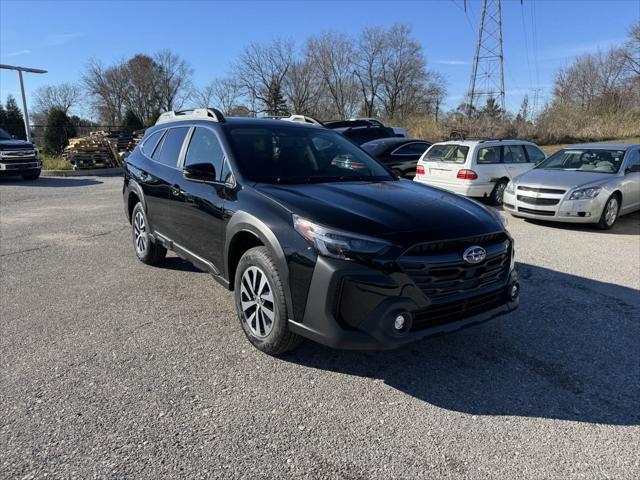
(200, 172)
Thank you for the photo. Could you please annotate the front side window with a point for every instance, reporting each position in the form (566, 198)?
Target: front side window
(204, 147)
(171, 145)
(4, 135)
(447, 153)
(489, 155)
(634, 160)
(584, 160)
(300, 155)
(416, 148)
(514, 154)
(535, 154)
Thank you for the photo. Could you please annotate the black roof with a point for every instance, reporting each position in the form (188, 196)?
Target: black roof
(389, 141)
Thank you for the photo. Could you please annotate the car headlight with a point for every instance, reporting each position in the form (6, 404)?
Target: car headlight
(511, 188)
(336, 243)
(583, 193)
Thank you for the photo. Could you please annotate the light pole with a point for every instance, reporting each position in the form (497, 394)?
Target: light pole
(24, 98)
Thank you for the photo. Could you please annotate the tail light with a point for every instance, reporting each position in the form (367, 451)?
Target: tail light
(420, 170)
(467, 175)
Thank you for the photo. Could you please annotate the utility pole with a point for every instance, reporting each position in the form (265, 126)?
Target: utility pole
(487, 74)
(24, 98)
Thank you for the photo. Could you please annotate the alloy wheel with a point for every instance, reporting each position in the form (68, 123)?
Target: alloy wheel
(257, 303)
(140, 233)
(611, 212)
(500, 188)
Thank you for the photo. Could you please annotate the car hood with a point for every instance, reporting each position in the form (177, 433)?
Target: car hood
(539, 177)
(386, 209)
(15, 145)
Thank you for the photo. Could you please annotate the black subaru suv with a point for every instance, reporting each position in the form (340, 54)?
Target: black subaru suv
(315, 237)
(18, 157)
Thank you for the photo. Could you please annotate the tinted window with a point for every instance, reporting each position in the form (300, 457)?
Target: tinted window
(300, 155)
(447, 153)
(171, 146)
(362, 135)
(634, 158)
(489, 155)
(535, 154)
(514, 154)
(411, 149)
(205, 148)
(227, 174)
(151, 142)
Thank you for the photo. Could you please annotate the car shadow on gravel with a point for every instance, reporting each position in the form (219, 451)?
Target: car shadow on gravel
(570, 352)
(625, 225)
(51, 182)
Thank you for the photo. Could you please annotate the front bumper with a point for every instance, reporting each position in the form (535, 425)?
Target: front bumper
(354, 306)
(17, 168)
(569, 211)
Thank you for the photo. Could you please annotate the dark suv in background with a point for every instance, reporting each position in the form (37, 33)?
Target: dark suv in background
(316, 238)
(18, 157)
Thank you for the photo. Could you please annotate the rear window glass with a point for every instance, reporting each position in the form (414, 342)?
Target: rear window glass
(171, 146)
(412, 149)
(447, 153)
(150, 143)
(488, 155)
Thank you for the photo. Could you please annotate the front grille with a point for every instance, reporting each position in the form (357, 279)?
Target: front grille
(540, 190)
(538, 201)
(441, 274)
(536, 212)
(439, 314)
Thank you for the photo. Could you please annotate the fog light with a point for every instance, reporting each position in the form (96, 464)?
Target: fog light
(399, 323)
(515, 289)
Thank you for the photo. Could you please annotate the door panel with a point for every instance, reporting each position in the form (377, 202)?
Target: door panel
(515, 160)
(631, 182)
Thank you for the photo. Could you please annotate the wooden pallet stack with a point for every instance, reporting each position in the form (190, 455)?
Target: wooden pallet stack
(91, 151)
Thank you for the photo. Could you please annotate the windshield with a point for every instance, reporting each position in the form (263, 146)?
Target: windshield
(300, 155)
(585, 160)
(447, 153)
(4, 135)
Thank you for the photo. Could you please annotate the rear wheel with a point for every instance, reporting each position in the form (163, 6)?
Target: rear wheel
(31, 176)
(261, 304)
(497, 194)
(147, 251)
(609, 213)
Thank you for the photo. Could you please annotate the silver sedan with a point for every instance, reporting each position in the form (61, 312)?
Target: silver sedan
(592, 183)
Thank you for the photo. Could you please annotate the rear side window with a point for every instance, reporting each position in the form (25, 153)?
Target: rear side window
(204, 147)
(417, 148)
(171, 146)
(151, 142)
(488, 155)
(514, 154)
(535, 154)
(447, 153)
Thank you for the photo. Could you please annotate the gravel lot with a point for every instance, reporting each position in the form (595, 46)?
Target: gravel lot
(113, 369)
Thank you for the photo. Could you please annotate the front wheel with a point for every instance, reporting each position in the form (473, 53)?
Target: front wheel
(609, 213)
(261, 305)
(31, 176)
(147, 251)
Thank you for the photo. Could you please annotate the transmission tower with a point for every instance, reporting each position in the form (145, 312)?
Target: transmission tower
(487, 75)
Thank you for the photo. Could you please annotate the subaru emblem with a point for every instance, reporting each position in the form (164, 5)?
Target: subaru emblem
(474, 254)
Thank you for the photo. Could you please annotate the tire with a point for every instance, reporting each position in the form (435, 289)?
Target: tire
(31, 176)
(147, 251)
(609, 213)
(497, 194)
(261, 305)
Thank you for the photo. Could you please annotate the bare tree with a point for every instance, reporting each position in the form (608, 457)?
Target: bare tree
(108, 88)
(221, 93)
(632, 50)
(333, 53)
(261, 71)
(372, 51)
(143, 96)
(302, 86)
(64, 97)
(174, 80)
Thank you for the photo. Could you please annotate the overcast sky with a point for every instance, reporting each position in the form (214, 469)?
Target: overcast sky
(539, 36)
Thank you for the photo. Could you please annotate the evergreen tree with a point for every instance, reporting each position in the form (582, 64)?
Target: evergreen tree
(491, 109)
(131, 122)
(14, 120)
(3, 117)
(276, 105)
(58, 131)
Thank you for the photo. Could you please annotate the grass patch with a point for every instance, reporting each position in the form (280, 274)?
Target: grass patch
(549, 149)
(55, 162)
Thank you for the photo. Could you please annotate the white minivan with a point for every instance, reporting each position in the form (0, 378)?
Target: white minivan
(477, 168)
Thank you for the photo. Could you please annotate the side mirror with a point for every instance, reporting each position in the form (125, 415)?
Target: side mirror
(200, 172)
(633, 169)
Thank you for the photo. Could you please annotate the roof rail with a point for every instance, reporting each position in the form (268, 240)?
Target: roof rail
(212, 114)
(302, 119)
